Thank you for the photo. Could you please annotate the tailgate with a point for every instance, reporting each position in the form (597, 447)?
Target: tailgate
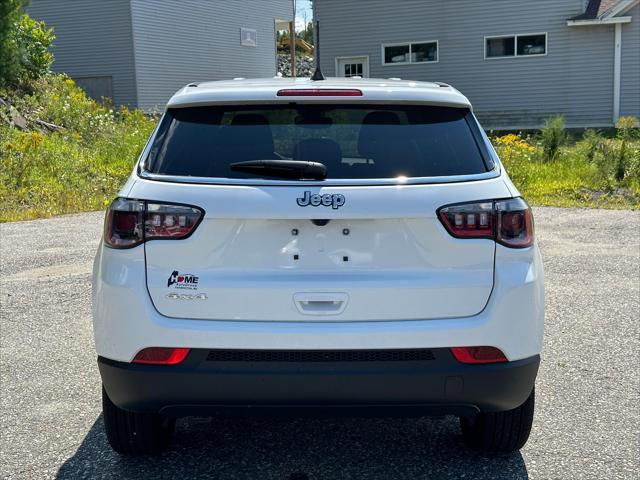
(383, 255)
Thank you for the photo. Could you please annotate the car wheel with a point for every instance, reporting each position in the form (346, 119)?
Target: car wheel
(134, 433)
(500, 431)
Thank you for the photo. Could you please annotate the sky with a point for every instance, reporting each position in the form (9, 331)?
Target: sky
(303, 9)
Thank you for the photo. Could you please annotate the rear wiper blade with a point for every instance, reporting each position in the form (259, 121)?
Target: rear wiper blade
(287, 169)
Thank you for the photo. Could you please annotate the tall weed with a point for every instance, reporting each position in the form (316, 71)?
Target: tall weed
(552, 137)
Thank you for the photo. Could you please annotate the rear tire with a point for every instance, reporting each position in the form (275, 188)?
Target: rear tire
(132, 433)
(500, 431)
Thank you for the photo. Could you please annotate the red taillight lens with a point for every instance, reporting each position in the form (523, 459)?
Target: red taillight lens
(508, 222)
(161, 356)
(170, 221)
(131, 222)
(320, 92)
(478, 354)
(123, 224)
(474, 220)
(515, 223)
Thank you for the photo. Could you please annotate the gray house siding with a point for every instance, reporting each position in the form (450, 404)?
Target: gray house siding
(181, 42)
(575, 78)
(630, 68)
(94, 44)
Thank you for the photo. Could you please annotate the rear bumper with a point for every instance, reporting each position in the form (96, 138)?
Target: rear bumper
(438, 384)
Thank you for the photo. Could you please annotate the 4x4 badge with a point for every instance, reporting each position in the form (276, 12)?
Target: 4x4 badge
(334, 201)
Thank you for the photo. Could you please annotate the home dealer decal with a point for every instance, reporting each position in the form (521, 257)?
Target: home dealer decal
(183, 281)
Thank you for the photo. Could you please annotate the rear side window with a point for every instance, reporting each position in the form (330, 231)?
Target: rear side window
(353, 142)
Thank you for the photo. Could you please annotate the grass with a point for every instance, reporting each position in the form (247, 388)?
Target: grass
(581, 174)
(78, 168)
(82, 166)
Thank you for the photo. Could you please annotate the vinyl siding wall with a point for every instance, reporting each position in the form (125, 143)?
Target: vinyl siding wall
(630, 71)
(575, 78)
(177, 43)
(93, 39)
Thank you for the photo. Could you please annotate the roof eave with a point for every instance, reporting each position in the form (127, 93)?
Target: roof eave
(598, 21)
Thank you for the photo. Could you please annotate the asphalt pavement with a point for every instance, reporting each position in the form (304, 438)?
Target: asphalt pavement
(587, 423)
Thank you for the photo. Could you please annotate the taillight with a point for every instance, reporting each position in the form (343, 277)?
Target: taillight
(124, 223)
(131, 222)
(320, 92)
(170, 221)
(515, 223)
(478, 354)
(161, 356)
(508, 222)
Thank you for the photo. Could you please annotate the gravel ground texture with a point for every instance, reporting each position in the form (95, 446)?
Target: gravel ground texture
(587, 418)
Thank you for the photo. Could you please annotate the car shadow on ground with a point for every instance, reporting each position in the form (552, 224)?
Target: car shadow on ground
(299, 449)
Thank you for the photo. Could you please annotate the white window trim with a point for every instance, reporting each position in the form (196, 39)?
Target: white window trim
(401, 44)
(515, 46)
(365, 68)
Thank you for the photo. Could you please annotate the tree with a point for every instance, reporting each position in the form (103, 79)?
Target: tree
(24, 45)
(10, 11)
(33, 39)
(307, 33)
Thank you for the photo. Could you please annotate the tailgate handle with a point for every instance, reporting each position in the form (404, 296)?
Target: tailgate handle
(320, 303)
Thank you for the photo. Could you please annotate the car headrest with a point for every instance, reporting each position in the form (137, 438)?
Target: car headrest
(370, 131)
(249, 119)
(250, 135)
(323, 150)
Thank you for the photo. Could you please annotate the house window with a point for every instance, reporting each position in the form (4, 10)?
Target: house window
(532, 44)
(515, 46)
(501, 47)
(353, 70)
(406, 53)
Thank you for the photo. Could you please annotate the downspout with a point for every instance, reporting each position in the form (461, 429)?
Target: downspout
(617, 66)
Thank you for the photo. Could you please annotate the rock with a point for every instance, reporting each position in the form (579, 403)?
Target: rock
(49, 126)
(17, 119)
(304, 65)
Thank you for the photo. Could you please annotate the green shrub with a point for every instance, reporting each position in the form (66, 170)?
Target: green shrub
(33, 39)
(626, 130)
(24, 47)
(9, 58)
(552, 137)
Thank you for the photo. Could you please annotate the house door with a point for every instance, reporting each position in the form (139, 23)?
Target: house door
(352, 66)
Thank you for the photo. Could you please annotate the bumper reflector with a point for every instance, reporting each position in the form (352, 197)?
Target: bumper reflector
(161, 356)
(478, 354)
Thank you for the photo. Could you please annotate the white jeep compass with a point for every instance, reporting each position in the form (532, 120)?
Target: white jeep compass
(341, 245)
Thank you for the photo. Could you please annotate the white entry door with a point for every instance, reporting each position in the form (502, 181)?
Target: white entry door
(352, 66)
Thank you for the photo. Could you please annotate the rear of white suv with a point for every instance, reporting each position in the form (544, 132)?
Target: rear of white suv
(331, 246)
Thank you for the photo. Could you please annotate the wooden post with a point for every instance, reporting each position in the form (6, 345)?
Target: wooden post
(292, 38)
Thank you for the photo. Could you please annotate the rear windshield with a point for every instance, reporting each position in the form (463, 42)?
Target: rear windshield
(353, 142)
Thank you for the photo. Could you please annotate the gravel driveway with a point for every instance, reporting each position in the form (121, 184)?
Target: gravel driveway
(587, 419)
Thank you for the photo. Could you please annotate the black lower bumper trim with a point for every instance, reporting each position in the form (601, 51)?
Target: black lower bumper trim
(437, 385)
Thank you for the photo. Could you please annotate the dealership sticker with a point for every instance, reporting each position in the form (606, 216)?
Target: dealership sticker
(182, 281)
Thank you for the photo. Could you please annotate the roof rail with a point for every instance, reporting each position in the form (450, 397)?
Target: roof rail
(442, 84)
